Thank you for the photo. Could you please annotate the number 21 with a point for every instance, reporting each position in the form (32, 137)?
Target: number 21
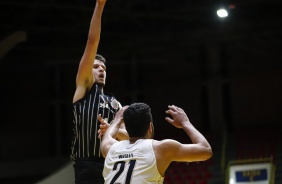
(121, 169)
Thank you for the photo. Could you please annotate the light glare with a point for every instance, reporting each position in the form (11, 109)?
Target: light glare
(231, 181)
(222, 13)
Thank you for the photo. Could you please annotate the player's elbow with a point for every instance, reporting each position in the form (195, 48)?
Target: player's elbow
(207, 154)
(103, 150)
(93, 39)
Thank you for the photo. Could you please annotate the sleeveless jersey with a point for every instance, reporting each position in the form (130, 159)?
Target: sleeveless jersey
(85, 142)
(128, 163)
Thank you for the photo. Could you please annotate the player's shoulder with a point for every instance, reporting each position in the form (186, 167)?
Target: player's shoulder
(165, 143)
(164, 149)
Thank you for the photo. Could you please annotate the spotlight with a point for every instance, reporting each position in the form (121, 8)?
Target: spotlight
(222, 13)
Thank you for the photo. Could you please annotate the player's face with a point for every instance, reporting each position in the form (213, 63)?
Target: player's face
(99, 72)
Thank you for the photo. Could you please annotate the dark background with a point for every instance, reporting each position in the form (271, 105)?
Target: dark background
(225, 73)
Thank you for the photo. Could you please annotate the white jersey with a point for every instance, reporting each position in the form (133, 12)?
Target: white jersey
(132, 163)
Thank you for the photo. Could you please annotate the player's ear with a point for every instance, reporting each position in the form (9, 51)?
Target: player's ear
(151, 127)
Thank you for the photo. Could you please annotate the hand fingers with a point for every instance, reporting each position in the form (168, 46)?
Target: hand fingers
(125, 107)
(179, 109)
(169, 120)
(100, 118)
(100, 132)
(174, 108)
(104, 126)
(171, 112)
(102, 121)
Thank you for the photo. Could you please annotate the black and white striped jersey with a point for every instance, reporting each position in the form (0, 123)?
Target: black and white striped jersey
(85, 142)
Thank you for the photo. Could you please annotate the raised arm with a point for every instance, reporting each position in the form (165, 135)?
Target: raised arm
(110, 135)
(84, 78)
(122, 133)
(171, 150)
(104, 125)
(199, 150)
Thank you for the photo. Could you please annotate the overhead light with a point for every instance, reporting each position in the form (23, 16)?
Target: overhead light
(222, 13)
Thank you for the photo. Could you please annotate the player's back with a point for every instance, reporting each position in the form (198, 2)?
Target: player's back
(131, 163)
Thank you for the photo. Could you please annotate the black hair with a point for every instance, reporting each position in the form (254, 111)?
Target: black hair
(137, 118)
(100, 58)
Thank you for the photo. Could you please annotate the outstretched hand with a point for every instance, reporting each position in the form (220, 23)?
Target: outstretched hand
(119, 114)
(179, 117)
(103, 126)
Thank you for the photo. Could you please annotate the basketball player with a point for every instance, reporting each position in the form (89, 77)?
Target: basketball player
(89, 101)
(142, 159)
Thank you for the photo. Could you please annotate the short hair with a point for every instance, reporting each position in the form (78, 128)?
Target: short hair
(137, 118)
(100, 58)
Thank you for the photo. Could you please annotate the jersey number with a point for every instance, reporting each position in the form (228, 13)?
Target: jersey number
(121, 169)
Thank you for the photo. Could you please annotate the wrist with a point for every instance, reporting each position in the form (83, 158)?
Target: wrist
(101, 2)
(116, 121)
(186, 124)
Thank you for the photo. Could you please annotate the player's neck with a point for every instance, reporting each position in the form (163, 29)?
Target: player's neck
(132, 140)
(101, 90)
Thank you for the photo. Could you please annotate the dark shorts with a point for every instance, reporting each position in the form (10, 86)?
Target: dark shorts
(88, 171)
